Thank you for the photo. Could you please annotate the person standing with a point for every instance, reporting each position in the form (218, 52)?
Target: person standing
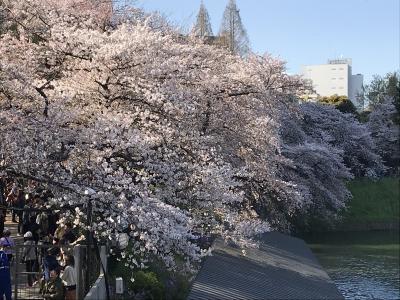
(50, 262)
(2, 190)
(2, 221)
(43, 221)
(20, 206)
(68, 237)
(69, 278)
(5, 275)
(26, 216)
(3, 202)
(29, 256)
(34, 228)
(53, 218)
(59, 232)
(8, 244)
(12, 199)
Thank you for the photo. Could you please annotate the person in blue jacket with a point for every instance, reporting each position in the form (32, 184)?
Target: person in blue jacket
(50, 262)
(5, 276)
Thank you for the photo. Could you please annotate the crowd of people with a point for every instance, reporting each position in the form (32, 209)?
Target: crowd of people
(47, 246)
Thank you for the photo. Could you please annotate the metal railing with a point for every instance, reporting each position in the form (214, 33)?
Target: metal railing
(87, 274)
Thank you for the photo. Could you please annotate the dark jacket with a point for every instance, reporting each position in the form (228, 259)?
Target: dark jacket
(5, 276)
(54, 289)
(50, 263)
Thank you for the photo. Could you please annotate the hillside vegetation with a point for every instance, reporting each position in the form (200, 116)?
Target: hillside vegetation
(373, 201)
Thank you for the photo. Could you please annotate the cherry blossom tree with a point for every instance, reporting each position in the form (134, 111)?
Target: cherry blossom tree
(385, 132)
(342, 131)
(256, 142)
(119, 116)
(325, 149)
(168, 138)
(317, 171)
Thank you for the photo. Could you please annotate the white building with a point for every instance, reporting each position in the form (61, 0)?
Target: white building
(335, 77)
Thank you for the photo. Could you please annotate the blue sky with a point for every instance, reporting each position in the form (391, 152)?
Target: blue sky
(305, 32)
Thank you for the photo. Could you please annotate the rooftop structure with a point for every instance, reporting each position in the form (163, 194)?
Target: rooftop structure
(282, 267)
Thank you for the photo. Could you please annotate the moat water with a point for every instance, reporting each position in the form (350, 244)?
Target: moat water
(363, 265)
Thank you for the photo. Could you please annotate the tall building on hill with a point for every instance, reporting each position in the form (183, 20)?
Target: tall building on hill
(334, 78)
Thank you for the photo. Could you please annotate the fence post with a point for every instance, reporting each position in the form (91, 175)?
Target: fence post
(78, 269)
(103, 257)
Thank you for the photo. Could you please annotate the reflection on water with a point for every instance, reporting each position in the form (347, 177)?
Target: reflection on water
(364, 265)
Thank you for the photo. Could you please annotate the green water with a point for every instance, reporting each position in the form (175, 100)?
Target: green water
(363, 265)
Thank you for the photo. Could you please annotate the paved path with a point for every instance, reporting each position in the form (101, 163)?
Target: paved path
(24, 291)
(282, 267)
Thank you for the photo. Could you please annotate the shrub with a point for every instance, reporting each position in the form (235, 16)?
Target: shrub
(147, 284)
(342, 103)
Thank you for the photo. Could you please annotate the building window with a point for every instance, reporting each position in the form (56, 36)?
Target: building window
(333, 69)
(334, 88)
(340, 68)
(333, 78)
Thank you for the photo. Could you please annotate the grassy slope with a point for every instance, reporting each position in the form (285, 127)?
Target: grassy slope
(374, 201)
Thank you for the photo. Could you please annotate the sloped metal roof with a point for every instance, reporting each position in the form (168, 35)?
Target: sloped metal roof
(283, 267)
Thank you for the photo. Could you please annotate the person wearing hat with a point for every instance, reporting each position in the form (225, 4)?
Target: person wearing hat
(5, 275)
(29, 256)
(7, 243)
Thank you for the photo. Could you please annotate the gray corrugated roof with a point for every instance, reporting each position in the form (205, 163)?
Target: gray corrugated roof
(282, 267)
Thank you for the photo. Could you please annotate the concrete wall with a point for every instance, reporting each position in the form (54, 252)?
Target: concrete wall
(356, 85)
(98, 290)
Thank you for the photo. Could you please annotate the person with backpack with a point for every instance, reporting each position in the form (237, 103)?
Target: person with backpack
(8, 244)
(5, 275)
